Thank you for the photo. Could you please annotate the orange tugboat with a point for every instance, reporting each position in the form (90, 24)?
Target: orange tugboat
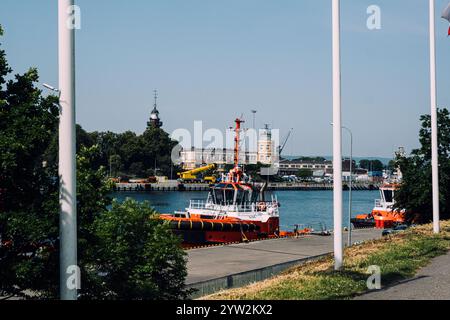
(383, 215)
(234, 211)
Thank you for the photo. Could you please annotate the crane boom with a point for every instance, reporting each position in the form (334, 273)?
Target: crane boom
(190, 174)
(281, 147)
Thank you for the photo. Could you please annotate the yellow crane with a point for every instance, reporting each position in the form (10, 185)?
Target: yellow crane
(191, 175)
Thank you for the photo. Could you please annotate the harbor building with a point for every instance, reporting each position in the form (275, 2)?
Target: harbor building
(195, 157)
(265, 153)
(291, 167)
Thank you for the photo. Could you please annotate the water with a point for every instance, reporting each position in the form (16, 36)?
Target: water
(297, 207)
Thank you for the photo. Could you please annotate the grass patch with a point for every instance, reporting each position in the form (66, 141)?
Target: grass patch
(399, 257)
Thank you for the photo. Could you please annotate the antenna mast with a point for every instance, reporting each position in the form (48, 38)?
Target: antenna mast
(155, 92)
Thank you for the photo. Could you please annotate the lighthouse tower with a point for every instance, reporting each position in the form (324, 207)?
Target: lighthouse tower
(155, 121)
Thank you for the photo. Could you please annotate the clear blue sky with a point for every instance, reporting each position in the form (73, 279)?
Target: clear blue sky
(213, 60)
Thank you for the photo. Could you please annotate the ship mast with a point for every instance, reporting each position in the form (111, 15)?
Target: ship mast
(235, 174)
(236, 142)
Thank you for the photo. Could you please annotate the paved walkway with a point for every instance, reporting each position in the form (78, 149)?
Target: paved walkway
(430, 283)
(216, 262)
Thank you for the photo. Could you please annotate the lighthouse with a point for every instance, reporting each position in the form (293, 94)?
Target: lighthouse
(155, 121)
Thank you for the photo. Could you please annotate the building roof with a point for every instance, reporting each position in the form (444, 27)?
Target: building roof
(305, 161)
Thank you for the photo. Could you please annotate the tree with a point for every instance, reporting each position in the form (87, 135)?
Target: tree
(28, 224)
(415, 193)
(138, 154)
(93, 190)
(115, 162)
(29, 210)
(252, 170)
(138, 170)
(139, 258)
(305, 174)
(371, 165)
(158, 150)
(391, 165)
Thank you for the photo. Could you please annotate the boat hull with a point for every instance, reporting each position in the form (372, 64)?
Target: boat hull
(210, 231)
(378, 219)
(363, 223)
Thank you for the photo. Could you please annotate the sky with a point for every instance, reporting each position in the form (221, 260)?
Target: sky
(214, 60)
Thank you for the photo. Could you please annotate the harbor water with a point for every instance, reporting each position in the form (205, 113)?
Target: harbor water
(311, 208)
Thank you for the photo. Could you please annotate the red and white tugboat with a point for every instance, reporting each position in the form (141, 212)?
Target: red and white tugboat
(383, 214)
(234, 211)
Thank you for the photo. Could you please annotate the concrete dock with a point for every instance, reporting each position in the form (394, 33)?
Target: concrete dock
(216, 268)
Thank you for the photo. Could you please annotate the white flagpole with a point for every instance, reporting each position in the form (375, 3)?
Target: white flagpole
(434, 125)
(337, 138)
(67, 149)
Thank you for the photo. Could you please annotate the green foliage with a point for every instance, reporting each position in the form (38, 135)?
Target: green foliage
(136, 155)
(27, 123)
(402, 261)
(397, 261)
(252, 170)
(137, 169)
(305, 174)
(28, 229)
(93, 187)
(4, 68)
(415, 194)
(138, 257)
(29, 210)
(392, 165)
(115, 163)
(371, 165)
(93, 191)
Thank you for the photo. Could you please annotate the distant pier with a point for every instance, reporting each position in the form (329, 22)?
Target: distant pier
(174, 185)
(320, 186)
(147, 187)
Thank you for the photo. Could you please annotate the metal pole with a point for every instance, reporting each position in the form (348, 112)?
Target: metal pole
(350, 190)
(434, 125)
(67, 150)
(337, 138)
(254, 118)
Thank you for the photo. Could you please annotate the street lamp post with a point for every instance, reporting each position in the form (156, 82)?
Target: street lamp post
(67, 153)
(350, 188)
(434, 126)
(337, 138)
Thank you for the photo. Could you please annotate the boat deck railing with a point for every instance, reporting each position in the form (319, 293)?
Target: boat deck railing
(247, 207)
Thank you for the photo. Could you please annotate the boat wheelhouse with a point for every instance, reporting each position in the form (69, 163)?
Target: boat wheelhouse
(383, 214)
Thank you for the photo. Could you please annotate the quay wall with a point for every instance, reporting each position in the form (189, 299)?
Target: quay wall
(320, 186)
(173, 185)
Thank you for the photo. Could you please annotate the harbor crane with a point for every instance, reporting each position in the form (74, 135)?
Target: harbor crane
(191, 175)
(286, 139)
